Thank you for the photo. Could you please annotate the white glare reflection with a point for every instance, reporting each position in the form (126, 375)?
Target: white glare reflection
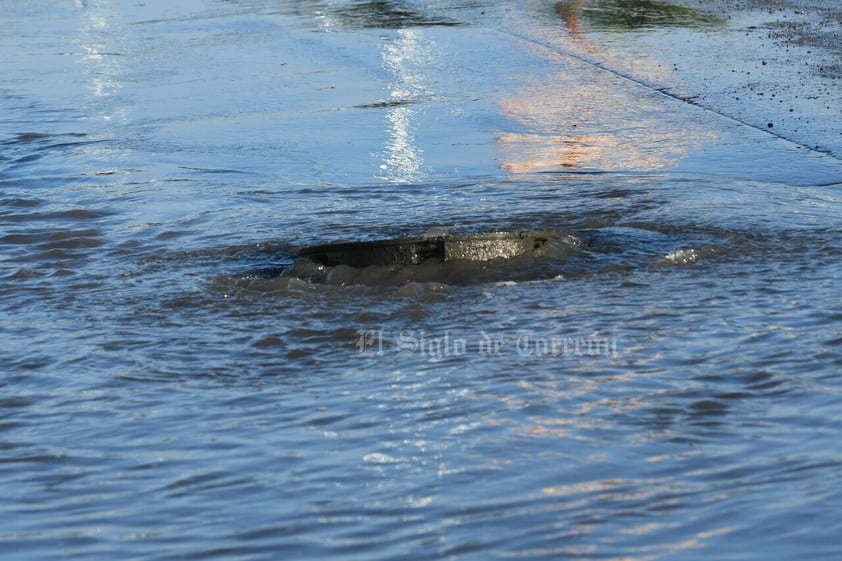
(403, 158)
(405, 57)
(100, 57)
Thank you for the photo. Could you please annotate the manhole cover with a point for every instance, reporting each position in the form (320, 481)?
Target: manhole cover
(443, 248)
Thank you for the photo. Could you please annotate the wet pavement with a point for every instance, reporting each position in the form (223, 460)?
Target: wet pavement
(760, 67)
(769, 64)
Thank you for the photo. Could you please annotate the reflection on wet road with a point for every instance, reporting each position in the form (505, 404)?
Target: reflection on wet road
(612, 107)
(624, 15)
(405, 57)
(577, 119)
(570, 120)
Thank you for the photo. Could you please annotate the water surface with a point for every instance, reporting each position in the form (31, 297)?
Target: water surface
(176, 384)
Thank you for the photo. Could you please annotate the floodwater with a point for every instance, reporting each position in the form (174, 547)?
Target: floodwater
(177, 384)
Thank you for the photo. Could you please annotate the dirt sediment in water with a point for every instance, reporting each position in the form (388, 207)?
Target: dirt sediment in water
(806, 23)
(772, 64)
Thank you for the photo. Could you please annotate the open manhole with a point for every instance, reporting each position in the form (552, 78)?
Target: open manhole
(436, 248)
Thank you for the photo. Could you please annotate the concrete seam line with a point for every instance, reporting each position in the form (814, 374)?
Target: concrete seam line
(661, 90)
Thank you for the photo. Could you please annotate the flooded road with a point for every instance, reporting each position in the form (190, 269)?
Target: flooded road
(177, 381)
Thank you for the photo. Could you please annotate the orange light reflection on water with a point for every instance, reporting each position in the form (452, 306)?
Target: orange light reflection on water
(581, 117)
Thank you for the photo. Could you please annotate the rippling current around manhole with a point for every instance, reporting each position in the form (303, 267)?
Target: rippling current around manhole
(439, 258)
